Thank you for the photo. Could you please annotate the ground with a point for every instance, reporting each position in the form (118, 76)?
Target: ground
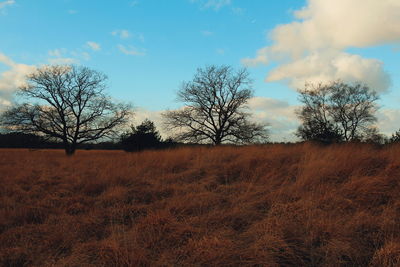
(273, 205)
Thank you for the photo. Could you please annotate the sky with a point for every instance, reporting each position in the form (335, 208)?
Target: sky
(147, 48)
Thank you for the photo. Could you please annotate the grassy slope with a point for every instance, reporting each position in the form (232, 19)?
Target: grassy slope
(300, 205)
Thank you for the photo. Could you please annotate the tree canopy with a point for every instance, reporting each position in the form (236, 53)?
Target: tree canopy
(336, 111)
(215, 109)
(143, 136)
(66, 103)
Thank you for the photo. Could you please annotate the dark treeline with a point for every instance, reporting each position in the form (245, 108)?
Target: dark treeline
(24, 140)
(32, 141)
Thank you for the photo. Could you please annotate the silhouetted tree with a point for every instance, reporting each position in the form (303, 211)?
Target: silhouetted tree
(322, 132)
(336, 112)
(214, 112)
(372, 135)
(395, 137)
(70, 106)
(144, 136)
(21, 140)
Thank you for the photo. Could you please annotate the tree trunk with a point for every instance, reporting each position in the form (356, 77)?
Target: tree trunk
(69, 149)
(217, 142)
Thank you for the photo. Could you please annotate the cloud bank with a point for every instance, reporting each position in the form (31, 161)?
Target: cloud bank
(11, 79)
(279, 114)
(313, 47)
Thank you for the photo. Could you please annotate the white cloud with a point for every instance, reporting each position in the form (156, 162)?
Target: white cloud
(320, 34)
(64, 56)
(57, 52)
(155, 116)
(343, 23)
(131, 50)
(11, 79)
(72, 11)
(261, 58)
(123, 34)
(325, 67)
(212, 4)
(3, 4)
(388, 120)
(94, 46)
(278, 114)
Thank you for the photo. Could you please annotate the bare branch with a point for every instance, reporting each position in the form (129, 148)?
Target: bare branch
(336, 111)
(71, 106)
(214, 102)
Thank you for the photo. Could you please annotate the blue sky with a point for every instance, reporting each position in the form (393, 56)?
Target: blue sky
(148, 47)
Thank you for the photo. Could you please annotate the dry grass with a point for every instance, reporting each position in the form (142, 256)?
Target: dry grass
(299, 205)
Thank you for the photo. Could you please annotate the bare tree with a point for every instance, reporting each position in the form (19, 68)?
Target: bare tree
(317, 123)
(336, 111)
(215, 102)
(353, 108)
(66, 103)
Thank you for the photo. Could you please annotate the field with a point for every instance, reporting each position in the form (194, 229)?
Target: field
(275, 205)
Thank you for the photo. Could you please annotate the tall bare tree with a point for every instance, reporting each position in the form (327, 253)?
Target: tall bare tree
(336, 111)
(67, 103)
(214, 112)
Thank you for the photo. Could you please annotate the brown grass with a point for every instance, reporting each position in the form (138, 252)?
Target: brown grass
(299, 205)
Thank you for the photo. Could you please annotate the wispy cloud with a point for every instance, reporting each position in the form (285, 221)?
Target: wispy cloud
(94, 46)
(207, 33)
(64, 56)
(6, 3)
(238, 10)
(62, 61)
(72, 11)
(134, 3)
(57, 52)
(131, 50)
(123, 34)
(212, 4)
(220, 51)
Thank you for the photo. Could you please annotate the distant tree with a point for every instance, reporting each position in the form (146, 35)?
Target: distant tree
(372, 135)
(143, 136)
(214, 112)
(395, 137)
(336, 111)
(317, 123)
(66, 103)
(312, 130)
(21, 140)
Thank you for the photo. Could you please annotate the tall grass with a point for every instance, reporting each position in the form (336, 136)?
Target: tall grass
(275, 205)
